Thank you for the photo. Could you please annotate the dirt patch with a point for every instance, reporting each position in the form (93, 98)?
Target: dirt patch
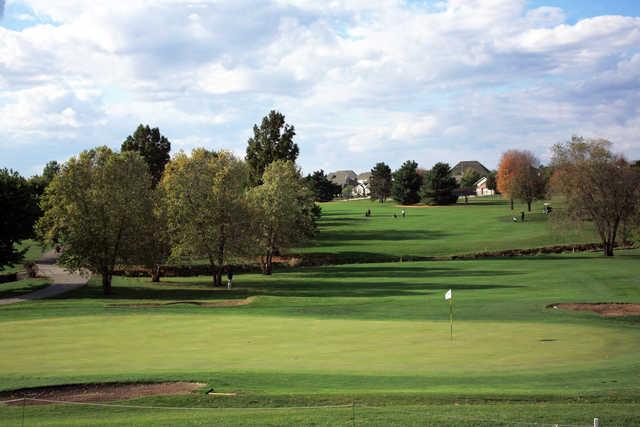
(605, 309)
(99, 392)
(210, 304)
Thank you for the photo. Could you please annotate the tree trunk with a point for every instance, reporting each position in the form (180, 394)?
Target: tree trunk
(217, 276)
(529, 206)
(269, 265)
(106, 282)
(155, 273)
(511, 201)
(608, 248)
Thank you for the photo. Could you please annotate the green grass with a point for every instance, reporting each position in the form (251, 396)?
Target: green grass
(485, 224)
(376, 334)
(21, 287)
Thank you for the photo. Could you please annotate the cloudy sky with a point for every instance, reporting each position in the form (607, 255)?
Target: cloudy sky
(362, 80)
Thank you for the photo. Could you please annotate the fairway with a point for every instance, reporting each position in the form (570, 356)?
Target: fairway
(484, 224)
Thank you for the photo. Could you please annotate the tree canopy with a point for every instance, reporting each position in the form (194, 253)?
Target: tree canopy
(322, 188)
(597, 185)
(18, 214)
(380, 182)
(439, 187)
(272, 141)
(281, 210)
(207, 207)
(520, 177)
(406, 184)
(152, 146)
(469, 178)
(95, 208)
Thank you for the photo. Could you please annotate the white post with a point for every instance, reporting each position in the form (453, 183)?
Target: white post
(596, 422)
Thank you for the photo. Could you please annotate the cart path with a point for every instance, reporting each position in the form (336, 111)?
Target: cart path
(62, 280)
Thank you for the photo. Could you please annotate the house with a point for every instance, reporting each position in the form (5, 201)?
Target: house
(343, 178)
(459, 170)
(482, 189)
(361, 189)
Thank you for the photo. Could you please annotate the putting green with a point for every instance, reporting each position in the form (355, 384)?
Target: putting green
(216, 342)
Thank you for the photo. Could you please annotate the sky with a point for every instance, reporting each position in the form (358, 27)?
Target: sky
(362, 81)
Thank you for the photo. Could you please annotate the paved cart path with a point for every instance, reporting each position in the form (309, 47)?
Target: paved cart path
(62, 280)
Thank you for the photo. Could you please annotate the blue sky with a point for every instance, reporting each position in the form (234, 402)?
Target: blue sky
(363, 81)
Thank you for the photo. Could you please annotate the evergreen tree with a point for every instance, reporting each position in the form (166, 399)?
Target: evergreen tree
(406, 184)
(440, 187)
(380, 182)
(152, 146)
(323, 189)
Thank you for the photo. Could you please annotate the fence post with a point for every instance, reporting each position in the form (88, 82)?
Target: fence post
(596, 422)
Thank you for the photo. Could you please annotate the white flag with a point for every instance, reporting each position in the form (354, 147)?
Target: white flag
(447, 296)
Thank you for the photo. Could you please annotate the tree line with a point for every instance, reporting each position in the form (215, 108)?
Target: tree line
(106, 208)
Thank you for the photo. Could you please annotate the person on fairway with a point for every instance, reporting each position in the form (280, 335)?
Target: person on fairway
(403, 213)
(229, 277)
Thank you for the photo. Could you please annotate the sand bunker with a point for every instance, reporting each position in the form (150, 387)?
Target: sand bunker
(98, 392)
(223, 303)
(604, 309)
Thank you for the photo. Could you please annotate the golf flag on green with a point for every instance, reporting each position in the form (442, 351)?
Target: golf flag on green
(449, 297)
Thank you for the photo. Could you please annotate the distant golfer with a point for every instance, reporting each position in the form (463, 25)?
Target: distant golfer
(522, 216)
(403, 213)
(229, 277)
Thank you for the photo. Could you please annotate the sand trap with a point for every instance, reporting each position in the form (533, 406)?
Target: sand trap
(210, 304)
(604, 309)
(99, 392)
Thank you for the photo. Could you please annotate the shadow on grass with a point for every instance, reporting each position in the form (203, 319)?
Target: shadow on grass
(345, 237)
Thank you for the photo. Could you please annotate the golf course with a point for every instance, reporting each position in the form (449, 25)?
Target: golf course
(356, 342)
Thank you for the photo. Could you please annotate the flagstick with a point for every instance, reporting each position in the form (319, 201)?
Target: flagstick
(451, 317)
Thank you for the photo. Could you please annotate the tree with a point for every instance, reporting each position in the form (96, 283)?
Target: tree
(323, 189)
(18, 213)
(380, 182)
(406, 184)
(439, 187)
(157, 243)
(281, 210)
(492, 183)
(153, 146)
(520, 177)
(469, 178)
(272, 141)
(596, 185)
(95, 208)
(207, 207)
(347, 191)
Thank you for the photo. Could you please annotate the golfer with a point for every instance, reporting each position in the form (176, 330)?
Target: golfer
(229, 277)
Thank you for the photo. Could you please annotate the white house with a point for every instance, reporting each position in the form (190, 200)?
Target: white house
(361, 189)
(482, 189)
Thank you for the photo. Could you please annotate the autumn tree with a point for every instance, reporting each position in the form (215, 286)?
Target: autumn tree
(281, 209)
(596, 185)
(380, 182)
(152, 146)
(17, 215)
(439, 187)
(520, 177)
(272, 141)
(206, 207)
(96, 208)
(406, 184)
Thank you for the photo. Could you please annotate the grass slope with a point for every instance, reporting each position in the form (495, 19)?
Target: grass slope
(373, 333)
(485, 224)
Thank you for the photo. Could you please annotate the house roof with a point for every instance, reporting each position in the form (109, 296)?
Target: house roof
(480, 181)
(342, 177)
(364, 176)
(459, 169)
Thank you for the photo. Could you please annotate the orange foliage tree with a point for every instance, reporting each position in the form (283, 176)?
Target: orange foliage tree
(520, 177)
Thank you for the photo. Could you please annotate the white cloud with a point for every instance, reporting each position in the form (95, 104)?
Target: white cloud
(383, 79)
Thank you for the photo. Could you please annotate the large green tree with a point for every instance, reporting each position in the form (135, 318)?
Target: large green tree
(281, 210)
(153, 146)
(272, 141)
(406, 184)
(323, 189)
(18, 212)
(439, 187)
(207, 207)
(380, 182)
(95, 208)
(469, 178)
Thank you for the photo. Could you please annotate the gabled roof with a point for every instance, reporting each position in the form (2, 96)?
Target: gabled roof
(462, 167)
(364, 176)
(342, 177)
